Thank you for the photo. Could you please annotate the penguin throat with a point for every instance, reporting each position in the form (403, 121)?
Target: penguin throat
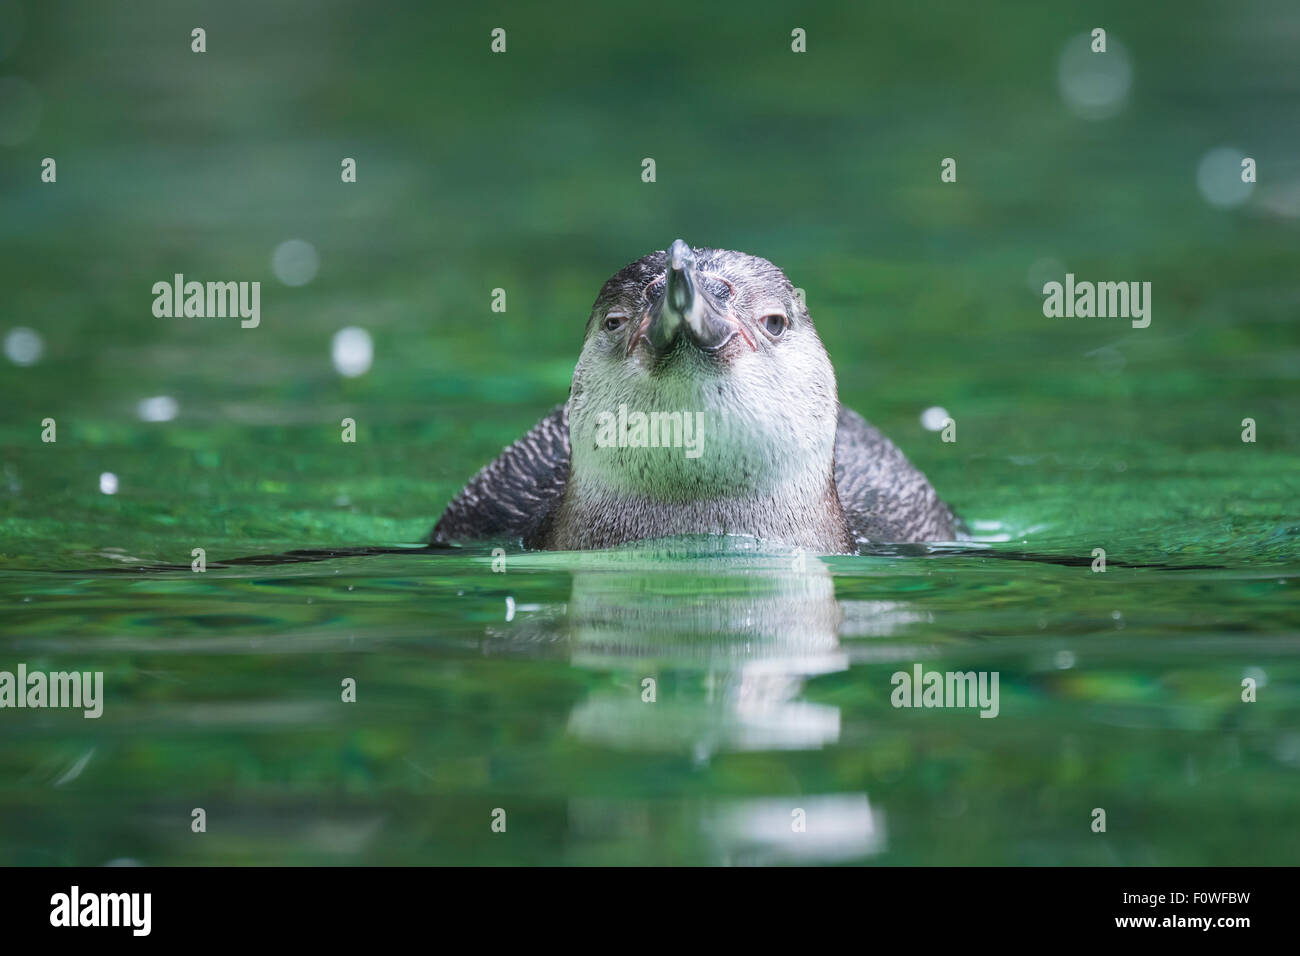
(595, 517)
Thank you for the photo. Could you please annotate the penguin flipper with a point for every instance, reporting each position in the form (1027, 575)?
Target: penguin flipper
(512, 497)
(883, 495)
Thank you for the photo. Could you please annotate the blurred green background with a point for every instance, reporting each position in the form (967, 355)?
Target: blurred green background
(522, 171)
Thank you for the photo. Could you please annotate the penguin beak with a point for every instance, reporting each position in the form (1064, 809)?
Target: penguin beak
(685, 310)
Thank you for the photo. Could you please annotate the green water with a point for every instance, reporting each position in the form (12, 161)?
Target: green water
(522, 689)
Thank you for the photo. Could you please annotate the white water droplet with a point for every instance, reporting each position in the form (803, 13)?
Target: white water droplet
(1094, 85)
(24, 346)
(1218, 177)
(159, 408)
(352, 351)
(932, 419)
(295, 262)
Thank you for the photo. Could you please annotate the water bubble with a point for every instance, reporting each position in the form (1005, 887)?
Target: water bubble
(932, 419)
(1065, 660)
(108, 483)
(1094, 85)
(1218, 177)
(159, 408)
(23, 346)
(295, 262)
(1257, 675)
(352, 351)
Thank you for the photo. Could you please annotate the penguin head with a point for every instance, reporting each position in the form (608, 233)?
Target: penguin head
(717, 334)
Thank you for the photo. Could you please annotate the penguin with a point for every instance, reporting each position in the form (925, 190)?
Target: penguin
(703, 403)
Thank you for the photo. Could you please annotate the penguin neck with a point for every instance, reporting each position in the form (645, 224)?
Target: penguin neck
(594, 515)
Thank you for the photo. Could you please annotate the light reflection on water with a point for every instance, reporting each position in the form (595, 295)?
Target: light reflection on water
(770, 738)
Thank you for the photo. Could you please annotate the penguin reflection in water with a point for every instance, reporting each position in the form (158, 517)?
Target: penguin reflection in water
(720, 338)
(725, 675)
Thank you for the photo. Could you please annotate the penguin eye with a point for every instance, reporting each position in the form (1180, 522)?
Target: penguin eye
(775, 324)
(613, 320)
